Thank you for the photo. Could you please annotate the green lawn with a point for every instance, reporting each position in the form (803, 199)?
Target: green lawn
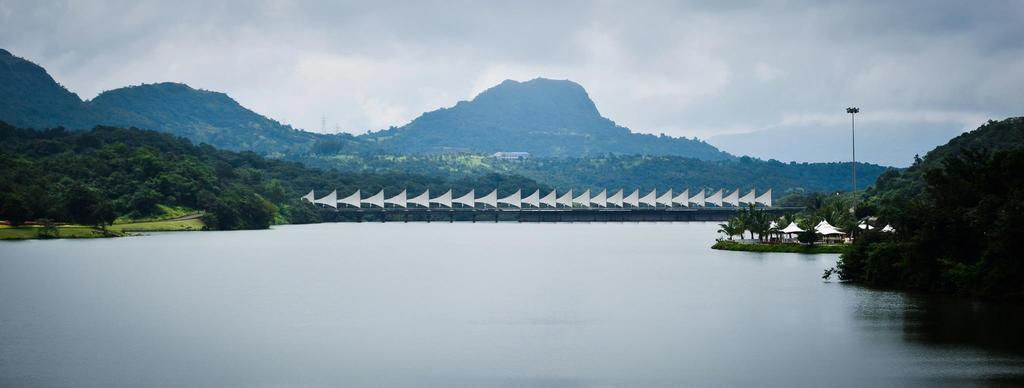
(159, 226)
(120, 229)
(726, 245)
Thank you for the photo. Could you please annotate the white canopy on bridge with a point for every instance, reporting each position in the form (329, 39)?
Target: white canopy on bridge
(601, 199)
(615, 199)
(353, 200)
(583, 199)
(651, 199)
(633, 199)
(748, 198)
(489, 199)
(698, 199)
(444, 200)
(564, 200)
(532, 199)
(665, 199)
(732, 199)
(375, 200)
(715, 199)
(309, 197)
(683, 199)
(765, 199)
(513, 200)
(398, 200)
(329, 200)
(549, 200)
(469, 199)
(422, 199)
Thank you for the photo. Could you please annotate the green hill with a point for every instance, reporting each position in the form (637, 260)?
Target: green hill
(542, 116)
(30, 98)
(957, 214)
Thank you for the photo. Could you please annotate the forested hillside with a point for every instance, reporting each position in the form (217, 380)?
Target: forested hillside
(957, 213)
(93, 177)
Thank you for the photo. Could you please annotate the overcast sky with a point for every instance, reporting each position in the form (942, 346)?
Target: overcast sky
(695, 69)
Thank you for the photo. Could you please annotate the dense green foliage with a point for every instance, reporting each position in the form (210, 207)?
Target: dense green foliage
(93, 177)
(956, 213)
(542, 116)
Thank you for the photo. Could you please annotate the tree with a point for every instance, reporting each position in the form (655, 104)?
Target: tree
(731, 228)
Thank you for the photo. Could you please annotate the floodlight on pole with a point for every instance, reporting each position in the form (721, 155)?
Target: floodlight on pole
(853, 154)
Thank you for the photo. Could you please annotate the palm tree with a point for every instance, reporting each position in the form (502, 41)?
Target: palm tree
(730, 228)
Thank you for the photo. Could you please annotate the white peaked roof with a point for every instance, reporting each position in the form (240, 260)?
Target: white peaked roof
(532, 199)
(469, 199)
(352, 200)
(489, 199)
(773, 225)
(601, 199)
(698, 198)
(651, 199)
(715, 199)
(888, 228)
(665, 199)
(865, 226)
(748, 198)
(329, 200)
(683, 198)
(615, 199)
(444, 200)
(309, 197)
(765, 199)
(549, 199)
(733, 198)
(512, 200)
(398, 200)
(791, 228)
(564, 200)
(583, 199)
(376, 199)
(825, 228)
(632, 199)
(422, 199)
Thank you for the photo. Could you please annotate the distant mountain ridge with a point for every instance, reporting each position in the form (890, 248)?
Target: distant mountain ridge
(31, 98)
(542, 116)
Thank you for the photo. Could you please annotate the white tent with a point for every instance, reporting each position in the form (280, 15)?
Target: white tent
(888, 229)
(489, 199)
(733, 198)
(469, 199)
(601, 200)
(549, 200)
(532, 199)
(698, 199)
(683, 199)
(513, 200)
(422, 199)
(714, 199)
(748, 198)
(309, 197)
(375, 200)
(791, 228)
(826, 229)
(329, 200)
(615, 199)
(765, 199)
(583, 199)
(353, 200)
(444, 200)
(651, 199)
(564, 200)
(632, 199)
(865, 226)
(665, 199)
(398, 200)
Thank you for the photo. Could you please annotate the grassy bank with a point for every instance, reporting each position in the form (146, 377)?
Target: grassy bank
(726, 245)
(28, 232)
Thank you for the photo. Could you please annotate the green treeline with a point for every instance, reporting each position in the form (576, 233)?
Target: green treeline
(94, 177)
(957, 215)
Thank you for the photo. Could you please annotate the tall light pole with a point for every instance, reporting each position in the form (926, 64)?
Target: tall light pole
(853, 155)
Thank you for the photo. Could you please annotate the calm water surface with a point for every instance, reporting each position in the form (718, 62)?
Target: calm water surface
(554, 305)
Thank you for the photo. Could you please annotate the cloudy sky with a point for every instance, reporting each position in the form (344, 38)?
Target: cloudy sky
(686, 69)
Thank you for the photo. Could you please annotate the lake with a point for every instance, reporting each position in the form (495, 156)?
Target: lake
(474, 305)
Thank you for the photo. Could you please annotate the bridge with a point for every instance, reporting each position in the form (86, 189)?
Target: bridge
(552, 207)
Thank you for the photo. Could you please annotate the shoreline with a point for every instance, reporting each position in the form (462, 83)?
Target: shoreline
(726, 245)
